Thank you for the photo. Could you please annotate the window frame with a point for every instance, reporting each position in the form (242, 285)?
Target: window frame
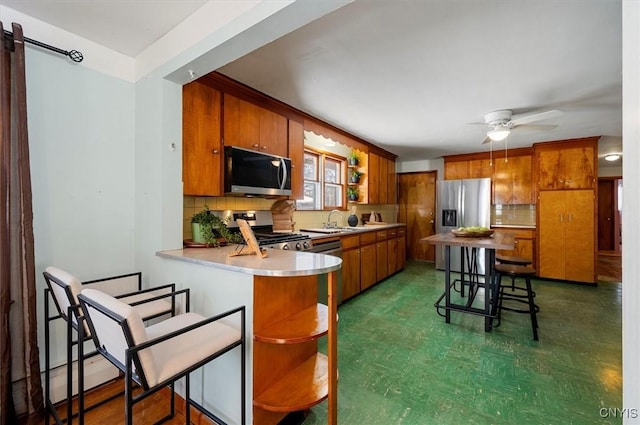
(322, 157)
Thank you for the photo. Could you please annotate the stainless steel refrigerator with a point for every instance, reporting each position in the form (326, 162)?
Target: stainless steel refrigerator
(461, 203)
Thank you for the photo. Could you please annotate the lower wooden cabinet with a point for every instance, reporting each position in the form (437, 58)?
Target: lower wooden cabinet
(369, 257)
(350, 273)
(524, 242)
(566, 232)
(368, 275)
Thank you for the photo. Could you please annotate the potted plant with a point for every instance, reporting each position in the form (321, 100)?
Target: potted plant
(353, 158)
(353, 193)
(354, 177)
(208, 228)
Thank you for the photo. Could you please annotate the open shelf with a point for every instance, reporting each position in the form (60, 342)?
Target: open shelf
(302, 388)
(306, 325)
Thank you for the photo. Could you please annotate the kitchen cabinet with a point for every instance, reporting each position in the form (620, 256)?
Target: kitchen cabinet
(567, 165)
(480, 168)
(524, 244)
(202, 156)
(296, 153)
(381, 176)
(512, 181)
(456, 170)
(392, 251)
(368, 274)
(382, 258)
(373, 177)
(566, 233)
(250, 126)
(402, 248)
(350, 266)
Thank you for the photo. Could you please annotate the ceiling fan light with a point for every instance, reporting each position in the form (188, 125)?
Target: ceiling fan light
(612, 157)
(498, 134)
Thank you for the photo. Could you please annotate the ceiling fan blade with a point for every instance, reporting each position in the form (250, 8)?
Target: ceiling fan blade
(486, 140)
(535, 117)
(535, 127)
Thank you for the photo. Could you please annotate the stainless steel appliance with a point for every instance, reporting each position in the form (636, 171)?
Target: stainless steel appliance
(261, 222)
(461, 203)
(248, 172)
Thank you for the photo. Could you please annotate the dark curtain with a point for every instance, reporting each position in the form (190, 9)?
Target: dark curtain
(20, 388)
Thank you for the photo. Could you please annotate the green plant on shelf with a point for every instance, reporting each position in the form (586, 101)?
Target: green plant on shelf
(353, 193)
(354, 158)
(354, 176)
(212, 229)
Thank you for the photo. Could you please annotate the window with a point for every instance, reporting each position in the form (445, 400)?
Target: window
(324, 181)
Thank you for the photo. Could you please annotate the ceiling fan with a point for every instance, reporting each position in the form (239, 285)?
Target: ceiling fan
(501, 123)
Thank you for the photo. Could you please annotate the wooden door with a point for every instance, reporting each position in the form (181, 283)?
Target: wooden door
(606, 215)
(551, 208)
(367, 270)
(202, 154)
(579, 236)
(350, 273)
(417, 203)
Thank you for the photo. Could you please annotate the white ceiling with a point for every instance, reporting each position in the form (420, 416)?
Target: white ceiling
(410, 75)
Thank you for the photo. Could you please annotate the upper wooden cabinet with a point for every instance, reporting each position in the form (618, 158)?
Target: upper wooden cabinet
(567, 164)
(480, 168)
(201, 140)
(381, 179)
(250, 126)
(512, 181)
(296, 153)
(456, 170)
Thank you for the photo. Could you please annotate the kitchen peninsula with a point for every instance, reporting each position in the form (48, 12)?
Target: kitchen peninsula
(284, 322)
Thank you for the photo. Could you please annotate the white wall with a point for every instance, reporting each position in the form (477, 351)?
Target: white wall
(81, 141)
(630, 208)
(422, 165)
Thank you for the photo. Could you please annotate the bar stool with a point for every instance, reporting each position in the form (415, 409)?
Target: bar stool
(514, 271)
(508, 259)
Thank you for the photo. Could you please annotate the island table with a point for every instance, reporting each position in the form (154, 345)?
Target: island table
(489, 244)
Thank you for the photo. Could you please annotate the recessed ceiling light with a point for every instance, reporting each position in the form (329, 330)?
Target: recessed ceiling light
(612, 157)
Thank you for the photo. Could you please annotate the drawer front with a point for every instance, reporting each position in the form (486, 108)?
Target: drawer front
(392, 233)
(367, 238)
(352, 241)
(519, 233)
(402, 231)
(381, 235)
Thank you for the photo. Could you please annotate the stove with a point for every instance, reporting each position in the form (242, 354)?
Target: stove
(261, 222)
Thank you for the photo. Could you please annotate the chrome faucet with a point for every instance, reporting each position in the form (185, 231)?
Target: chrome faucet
(329, 224)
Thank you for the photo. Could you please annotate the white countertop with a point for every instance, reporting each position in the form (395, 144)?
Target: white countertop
(277, 263)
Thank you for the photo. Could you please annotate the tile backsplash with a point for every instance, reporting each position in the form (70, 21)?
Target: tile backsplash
(513, 215)
(302, 219)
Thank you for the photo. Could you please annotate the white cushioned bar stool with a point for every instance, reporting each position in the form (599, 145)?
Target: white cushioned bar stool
(63, 289)
(159, 355)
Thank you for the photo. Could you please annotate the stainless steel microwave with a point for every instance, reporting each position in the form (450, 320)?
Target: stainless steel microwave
(248, 172)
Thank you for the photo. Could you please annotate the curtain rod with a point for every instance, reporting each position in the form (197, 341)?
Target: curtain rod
(74, 55)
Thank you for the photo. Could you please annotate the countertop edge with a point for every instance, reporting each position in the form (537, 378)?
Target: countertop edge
(303, 265)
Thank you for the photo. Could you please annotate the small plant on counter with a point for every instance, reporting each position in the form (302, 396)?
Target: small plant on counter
(354, 157)
(353, 193)
(212, 229)
(355, 176)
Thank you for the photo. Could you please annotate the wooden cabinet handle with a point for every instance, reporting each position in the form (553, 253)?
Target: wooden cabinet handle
(264, 148)
(255, 145)
(215, 151)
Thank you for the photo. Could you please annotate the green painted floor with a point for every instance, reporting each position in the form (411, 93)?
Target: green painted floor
(400, 363)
